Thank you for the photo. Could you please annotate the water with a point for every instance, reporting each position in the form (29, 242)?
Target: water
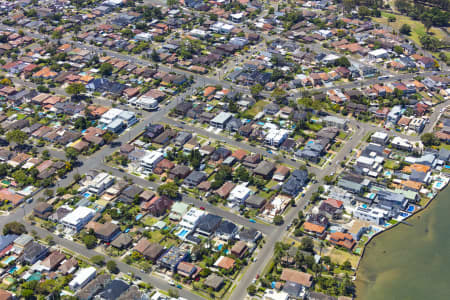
(410, 262)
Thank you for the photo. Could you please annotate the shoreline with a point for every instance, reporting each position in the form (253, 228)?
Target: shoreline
(423, 209)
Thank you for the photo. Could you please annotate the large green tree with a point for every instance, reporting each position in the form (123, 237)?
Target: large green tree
(76, 89)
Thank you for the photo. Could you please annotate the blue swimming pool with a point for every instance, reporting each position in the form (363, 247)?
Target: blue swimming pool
(447, 166)
(404, 215)
(261, 123)
(220, 247)
(439, 184)
(182, 233)
(372, 196)
(12, 270)
(8, 260)
(411, 208)
(364, 205)
(139, 216)
(310, 142)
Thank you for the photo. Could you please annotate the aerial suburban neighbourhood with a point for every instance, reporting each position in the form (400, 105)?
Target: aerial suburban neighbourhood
(221, 149)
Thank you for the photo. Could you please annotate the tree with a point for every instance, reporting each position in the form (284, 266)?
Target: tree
(49, 193)
(405, 29)
(278, 220)
(169, 189)
(72, 153)
(429, 139)
(347, 265)
(348, 5)
(251, 290)
(173, 293)
(98, 260)
(429, 42)
(398, 49)
(256, 89)
(171, 3)
(307, 244)
(106, 69)
(14, 228)
(76, 89)
(89, 241)
(17, 136)
(343, 62)
(155, 55)
(81, 123)
(112, 267)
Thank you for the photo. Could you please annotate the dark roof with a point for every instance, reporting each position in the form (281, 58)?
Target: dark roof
(226, 227)
(255, 201)
(131, 191)
(93, 287)
(214, 281)
(209, 222)
(6, 240)
(114, 289)
(293, 289)
(132, 293)
(249, 234)
(122, 240)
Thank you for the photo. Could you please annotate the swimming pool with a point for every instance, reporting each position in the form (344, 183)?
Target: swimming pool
(87, 195)
(364, 205)
(139, 216)
(387, 173)
(220, 247)
(261, 123)
(182, 233)
(310, 143)
(12, 270)
(371, 196)
(411, 208)
(439, 184)
(8, 260)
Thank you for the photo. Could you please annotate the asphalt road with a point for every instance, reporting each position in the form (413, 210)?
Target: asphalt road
(82, 250)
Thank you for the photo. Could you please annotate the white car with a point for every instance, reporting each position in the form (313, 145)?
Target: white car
(171, 282)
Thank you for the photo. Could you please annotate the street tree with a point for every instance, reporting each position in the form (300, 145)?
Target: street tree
(76, 89)
(112, 267)
(278, 220)
(169, 189)
(72, 153)
(14, 228)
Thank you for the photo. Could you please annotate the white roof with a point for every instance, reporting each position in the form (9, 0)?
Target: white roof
(151, 157)
(240, 192)
(82, 275)
(79, 213)
(378, 52)
(112, 113)
(380, 135)
(192, 216)
(365, 160)
(222, 117)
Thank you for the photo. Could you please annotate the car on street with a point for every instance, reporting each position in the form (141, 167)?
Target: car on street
(202, 208)
(171, 282)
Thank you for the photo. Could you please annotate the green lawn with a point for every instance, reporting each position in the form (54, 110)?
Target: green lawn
(149, 221)
(417, 28)
(390, 164)
(257, 107)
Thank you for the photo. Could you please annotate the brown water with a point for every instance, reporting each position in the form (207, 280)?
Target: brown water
(410, 262)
